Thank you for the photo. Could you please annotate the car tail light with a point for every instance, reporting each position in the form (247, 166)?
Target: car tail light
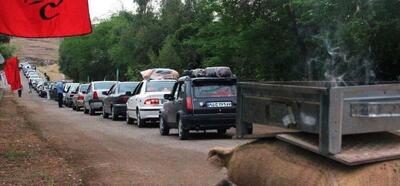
(95, 96)
(189, 104)
(123, 99)
(152, 102)
(81, 98)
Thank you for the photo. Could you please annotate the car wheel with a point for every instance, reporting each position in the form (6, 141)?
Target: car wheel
(140, 121)
(129, 120)
(221, 132)
(114, 114)
(183, 133)
(91, 110)
(85, 111)
(250, 131)
(164, 129)
(105, 115)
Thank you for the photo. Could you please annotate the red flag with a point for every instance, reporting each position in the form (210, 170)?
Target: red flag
(12, 73)
(44, 18)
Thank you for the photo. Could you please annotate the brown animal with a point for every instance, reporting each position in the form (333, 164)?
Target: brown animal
(273, 162)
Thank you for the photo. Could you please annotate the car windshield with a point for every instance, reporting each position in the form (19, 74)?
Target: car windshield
(103, 85)
(214, 90)
(84, 88)
(127, 87)
(160, 86)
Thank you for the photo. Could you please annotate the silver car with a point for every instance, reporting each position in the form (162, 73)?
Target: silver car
(94, 98)
(77, 99)
(69, 93)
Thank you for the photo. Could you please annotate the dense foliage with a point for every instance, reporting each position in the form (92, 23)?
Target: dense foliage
(260, 39)
(5, 49)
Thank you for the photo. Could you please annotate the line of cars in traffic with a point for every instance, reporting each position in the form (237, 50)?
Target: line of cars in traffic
(203, 99)
(36, 80)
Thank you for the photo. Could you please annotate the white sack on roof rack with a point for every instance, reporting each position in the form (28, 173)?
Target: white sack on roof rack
(159, 73)
(218, 72)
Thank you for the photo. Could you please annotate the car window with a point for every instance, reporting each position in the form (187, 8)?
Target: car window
(138, 88)
(66, 88)
(127, 87)
(84, 88)
(159, 86)
(176, 90)
(112, 89)
(73, 87)
(103, 85)
(214, 90)
(89, 88)
(181, 91)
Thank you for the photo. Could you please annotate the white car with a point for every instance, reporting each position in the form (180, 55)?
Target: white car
(30, 72)
(147, 100)
(34, 76)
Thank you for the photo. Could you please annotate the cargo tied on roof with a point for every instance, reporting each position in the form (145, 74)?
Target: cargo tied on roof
(159, 73)
(222, 72)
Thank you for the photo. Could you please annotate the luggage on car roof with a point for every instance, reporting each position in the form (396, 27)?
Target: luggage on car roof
(210, 72)
(159, 73)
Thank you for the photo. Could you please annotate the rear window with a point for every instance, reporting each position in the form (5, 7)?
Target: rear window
(84, 88)
(209, 90)
(74, 86)
(127, 87)
(160, 86)
(103, 85)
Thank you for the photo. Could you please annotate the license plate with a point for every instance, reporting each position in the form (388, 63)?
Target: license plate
(219, 104)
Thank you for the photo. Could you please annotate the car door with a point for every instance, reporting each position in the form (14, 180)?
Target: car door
(179, 98)
(107, 100)
(131, 105)
(114, 95)
(169, 111)
(88, 95)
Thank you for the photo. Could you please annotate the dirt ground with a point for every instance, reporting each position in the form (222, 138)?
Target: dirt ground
(26, 158)
(45, 49)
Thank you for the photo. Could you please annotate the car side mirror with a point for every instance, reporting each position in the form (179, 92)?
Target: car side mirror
(104, 93)
(168, 97)
(128, 93)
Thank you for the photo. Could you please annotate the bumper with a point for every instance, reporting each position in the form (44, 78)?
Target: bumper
(209, 121)
(79, 103)
(98, 105)
(120, 109)
(150, 112)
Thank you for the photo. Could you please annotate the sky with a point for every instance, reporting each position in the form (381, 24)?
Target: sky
(100, 9)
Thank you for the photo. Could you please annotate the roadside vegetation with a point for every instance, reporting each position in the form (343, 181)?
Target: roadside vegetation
(260, 40)
(5, 49)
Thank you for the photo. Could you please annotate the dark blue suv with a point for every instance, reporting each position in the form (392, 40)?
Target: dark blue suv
(199, 103)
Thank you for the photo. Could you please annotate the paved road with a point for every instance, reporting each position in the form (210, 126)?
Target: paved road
(114, 153)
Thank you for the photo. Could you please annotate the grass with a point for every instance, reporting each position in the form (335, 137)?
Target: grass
(52, 71)
(12, 155)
